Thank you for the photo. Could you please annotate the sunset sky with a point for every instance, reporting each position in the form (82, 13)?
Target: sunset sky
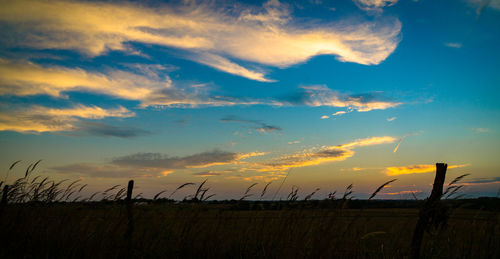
(329, 92)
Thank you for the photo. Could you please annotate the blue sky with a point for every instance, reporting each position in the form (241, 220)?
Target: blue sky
(330, 92)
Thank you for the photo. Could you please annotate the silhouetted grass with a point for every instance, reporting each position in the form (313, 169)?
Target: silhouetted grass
(50, 219)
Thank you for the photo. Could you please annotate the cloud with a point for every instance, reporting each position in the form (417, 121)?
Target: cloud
(323, 96)
(103, 171)
(157, 160)
(94, 28)
(306, 159)
(481, 181)
(324, 117)
(106, 130)
(261, 127)
(225, 65)
(356, 169)
(22, 78)
(268, 128)
(369, 142)
(481, 130)
(374, 5)
(208, 173)
(338, 113)
(403, 192)
(37, 119)
(155, 164)
(482, 4)
(416, 169)
(454, 45)
(321, 155)
(403, 137)
(242, 156)
(391, 119)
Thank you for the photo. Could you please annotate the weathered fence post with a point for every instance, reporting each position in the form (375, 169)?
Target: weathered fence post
(130, 219)
(428, 210)
(130, 215)
(129, 191)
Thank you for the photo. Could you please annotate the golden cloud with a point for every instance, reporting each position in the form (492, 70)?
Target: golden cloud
(26, 78)
(270, 36)
(38, 119)
(416, 169)
(322, 155)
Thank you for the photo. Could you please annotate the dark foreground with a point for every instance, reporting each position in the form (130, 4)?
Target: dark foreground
(242, 230)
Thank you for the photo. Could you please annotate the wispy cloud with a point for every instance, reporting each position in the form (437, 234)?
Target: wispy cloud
(325, 117)
(22, 78)
(339, 113)
(208, 173)
(482, 4)
(225, 65)
(106, 130)
(37, 119)
(374, 5)
(261, 127)
(402, 192)
(155, 164)
(416, 169)
(320, 95)
(356, 169)
(481, 130)
(94, 28)
(391, 119)
(103, 171)
(227, 164)
(321, 155)
(150, 88)
(454, 45)
(481, 181)
(403, 137)
(157, 160)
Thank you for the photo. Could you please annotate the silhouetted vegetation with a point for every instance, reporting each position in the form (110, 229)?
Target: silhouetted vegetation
(49, 219)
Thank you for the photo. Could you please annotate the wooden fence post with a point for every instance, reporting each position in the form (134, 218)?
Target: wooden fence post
(428, 210)
(130, 219)
(130, 215)
(129, 191)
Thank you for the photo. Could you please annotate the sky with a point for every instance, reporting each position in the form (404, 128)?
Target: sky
(307, 94)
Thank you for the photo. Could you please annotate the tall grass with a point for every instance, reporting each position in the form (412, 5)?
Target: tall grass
(326, 227)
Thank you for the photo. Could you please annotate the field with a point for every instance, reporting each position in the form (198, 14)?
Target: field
(39, 218)
(244, 229)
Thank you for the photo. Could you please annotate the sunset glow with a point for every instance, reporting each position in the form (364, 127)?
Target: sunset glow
(324, 93)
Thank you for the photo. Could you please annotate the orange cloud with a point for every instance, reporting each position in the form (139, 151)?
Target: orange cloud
(416, 169)
(401, 192)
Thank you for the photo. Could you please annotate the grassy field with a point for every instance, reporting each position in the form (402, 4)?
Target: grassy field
(238, 230)
(42, 218)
